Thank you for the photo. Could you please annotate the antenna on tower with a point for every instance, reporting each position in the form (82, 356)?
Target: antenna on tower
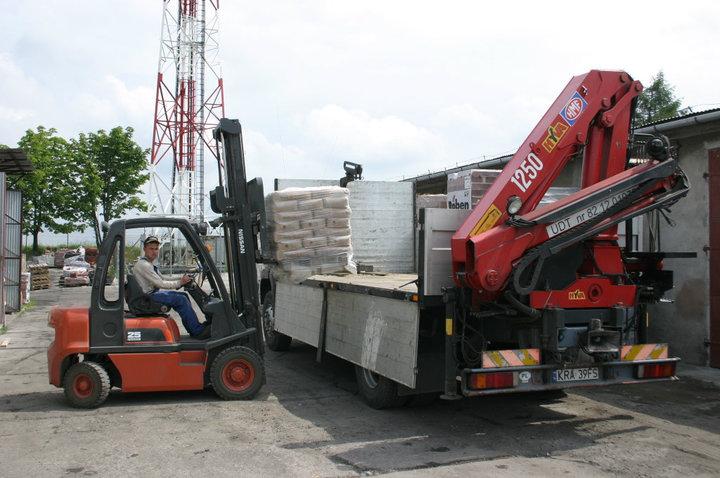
(184, 113)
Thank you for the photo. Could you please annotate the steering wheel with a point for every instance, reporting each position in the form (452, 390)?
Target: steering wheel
(199, 275)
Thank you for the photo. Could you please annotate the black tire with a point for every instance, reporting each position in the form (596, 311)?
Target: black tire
(422, 400)
(237, 373)
(377, 391)
(86, 385)
(275, 341)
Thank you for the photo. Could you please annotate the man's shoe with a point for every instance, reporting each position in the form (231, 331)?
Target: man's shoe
(205, 334)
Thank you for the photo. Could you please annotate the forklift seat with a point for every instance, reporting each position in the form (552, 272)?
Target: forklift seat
(140, 303)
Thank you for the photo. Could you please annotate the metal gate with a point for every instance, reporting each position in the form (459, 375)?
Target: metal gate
(13, 249)
(714, 217)
(2, 242)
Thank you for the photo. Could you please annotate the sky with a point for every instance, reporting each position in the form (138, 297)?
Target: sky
(402, 87)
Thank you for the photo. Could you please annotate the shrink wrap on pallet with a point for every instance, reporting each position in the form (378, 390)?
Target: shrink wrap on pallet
(310, 231)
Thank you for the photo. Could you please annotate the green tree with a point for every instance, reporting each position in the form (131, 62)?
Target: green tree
(47, 190)
(111, 170)
(657, 101)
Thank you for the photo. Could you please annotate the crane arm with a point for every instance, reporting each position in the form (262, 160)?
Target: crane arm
(506, 230)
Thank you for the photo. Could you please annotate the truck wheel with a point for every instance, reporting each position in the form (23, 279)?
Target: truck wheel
(379, 392)
(237, 373)
(276, 341)
(422, 400)
(86, 385)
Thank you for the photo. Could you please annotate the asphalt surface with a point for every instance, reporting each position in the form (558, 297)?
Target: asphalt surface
(309, 421)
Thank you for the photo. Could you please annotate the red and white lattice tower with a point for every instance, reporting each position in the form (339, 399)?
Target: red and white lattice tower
(185, 113)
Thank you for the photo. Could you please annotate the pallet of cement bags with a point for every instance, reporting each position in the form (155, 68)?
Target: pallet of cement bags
(310, 231)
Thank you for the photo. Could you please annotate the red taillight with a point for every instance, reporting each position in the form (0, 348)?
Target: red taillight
(656, 370)
(480, 381)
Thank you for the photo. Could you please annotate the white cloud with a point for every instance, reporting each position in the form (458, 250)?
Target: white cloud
(464, 115)
(14, 115)
(20, 99)
(136, 102)
(383, 144)
(270, 160)
(402, 86)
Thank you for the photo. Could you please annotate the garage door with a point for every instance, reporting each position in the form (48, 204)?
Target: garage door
(714, 190)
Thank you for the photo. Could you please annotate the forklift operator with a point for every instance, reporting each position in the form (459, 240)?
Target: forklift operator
(152, 284)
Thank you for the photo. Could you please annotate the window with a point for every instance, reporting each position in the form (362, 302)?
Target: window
(113, 279)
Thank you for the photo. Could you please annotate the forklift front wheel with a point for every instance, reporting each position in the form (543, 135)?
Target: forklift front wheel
(237, 373)
(86, 385)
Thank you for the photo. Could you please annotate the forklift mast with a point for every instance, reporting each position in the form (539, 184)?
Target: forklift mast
(242, 215)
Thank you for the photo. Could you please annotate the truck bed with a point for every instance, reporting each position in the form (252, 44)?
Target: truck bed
(370, 320)
(390, 285)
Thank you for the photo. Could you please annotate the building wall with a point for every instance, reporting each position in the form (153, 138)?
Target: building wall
(684, 324)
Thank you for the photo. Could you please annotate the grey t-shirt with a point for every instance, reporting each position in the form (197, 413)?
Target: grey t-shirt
(149, 278)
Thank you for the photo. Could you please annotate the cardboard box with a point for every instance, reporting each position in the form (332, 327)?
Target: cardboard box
(466, 188)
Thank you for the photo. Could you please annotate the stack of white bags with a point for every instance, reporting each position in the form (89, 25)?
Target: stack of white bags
(310, 231)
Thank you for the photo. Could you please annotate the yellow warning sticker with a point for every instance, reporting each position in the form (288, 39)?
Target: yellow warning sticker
(449, 326)
(487, 221)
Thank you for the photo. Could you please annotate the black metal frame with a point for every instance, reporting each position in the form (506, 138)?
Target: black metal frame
(106, 317)
(235, 313)
(242, 209)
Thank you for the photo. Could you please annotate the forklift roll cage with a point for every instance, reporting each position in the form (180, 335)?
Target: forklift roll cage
(242, 215)
(106, 316)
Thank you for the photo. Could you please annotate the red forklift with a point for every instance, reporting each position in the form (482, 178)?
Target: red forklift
(139, 348)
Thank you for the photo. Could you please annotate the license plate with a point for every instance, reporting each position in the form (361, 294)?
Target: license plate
(576, 374)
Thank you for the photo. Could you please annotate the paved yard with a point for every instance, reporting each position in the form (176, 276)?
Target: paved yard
(308, 421)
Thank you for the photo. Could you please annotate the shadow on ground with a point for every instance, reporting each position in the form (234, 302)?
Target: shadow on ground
(361, 440)
(375, 441)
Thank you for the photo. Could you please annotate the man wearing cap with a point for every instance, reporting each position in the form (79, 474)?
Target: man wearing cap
(153, 284)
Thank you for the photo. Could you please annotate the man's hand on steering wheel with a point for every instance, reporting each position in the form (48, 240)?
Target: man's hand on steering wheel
(185, 280)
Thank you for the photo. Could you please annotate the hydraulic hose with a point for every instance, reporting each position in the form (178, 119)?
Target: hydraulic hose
(520, 307)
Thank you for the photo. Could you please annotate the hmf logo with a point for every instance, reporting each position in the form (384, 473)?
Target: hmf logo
(576, 295)
(555, 133)
(573, 108)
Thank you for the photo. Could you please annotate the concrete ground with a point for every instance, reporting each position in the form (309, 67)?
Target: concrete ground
(308, 421)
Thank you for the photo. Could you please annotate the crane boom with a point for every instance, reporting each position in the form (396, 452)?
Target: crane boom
(505, 240)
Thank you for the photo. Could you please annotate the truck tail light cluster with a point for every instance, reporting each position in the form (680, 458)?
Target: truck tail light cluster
(484, 381)
(659, 370)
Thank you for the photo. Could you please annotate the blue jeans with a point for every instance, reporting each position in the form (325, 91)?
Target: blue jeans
(181, 304)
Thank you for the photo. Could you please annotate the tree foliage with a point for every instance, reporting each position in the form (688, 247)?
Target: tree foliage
(47, 190)
(110, 172)
(657, 101)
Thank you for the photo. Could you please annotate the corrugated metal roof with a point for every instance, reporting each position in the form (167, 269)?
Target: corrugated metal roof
(678, 117)
(494, 163)
(14, 161)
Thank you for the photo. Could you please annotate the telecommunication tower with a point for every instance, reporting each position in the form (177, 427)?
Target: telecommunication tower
(185, 113)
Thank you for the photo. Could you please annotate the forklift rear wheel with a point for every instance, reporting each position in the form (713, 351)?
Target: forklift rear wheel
(237, 373)
(276, 341)
(379, 392)
(86, 385)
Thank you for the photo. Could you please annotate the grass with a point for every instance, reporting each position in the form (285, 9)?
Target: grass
(23, 308)
(28, 306)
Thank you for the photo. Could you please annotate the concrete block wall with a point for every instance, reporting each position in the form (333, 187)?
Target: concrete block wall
(685, 323)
